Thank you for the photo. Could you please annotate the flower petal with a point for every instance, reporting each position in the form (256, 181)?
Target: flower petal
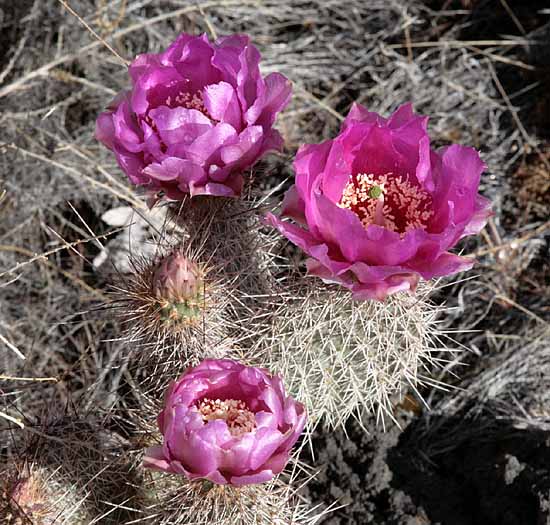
(180, 126)
(154, 459)
(259, 477)
(209, 147)
(195, 63)
(223, 105)
(278, 91)
(105, 129)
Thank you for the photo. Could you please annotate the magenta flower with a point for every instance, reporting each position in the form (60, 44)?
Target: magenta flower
(198, 115)
(378, 208)
(227, 423)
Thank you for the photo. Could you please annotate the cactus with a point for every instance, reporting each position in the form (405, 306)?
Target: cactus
(41, 496)
(171, 499)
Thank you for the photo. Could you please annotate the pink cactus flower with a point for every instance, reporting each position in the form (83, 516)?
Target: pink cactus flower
(197, 116)
(227, 423)
(377, 208)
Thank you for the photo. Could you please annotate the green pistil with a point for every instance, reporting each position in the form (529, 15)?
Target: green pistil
(375, 192)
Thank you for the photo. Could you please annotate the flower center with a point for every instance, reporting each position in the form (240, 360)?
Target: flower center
(182, 100)
(391, 202)
(189, 101)
(234, 412)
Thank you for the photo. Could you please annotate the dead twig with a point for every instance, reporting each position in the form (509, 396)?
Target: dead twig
(514, 243)
(94, 34)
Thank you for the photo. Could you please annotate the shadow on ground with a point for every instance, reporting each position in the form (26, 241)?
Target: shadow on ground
(484, 472)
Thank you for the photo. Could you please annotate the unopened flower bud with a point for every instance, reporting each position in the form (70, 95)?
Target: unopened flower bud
(178, 286)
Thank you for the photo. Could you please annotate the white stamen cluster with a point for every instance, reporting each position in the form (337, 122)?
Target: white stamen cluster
(387, 200)
(234, 412)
